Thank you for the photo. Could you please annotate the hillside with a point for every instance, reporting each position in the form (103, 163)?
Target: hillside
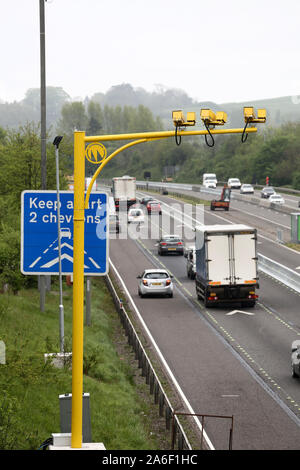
(161, 102)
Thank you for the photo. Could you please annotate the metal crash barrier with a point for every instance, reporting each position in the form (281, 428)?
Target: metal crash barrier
(279, 272)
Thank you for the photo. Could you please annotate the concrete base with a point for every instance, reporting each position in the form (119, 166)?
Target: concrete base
(60, 360)
(62, 441)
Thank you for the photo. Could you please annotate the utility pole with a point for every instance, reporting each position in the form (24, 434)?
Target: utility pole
(42, 282)
(43, 96)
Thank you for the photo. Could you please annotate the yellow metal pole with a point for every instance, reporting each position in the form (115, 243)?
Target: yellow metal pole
(78, 290)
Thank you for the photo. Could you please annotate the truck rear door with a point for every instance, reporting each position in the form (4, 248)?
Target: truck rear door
(218, 256)
(244, 254)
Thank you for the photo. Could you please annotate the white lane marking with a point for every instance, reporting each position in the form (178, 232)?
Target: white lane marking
(264, 218)
(239, 311)
(162, 358)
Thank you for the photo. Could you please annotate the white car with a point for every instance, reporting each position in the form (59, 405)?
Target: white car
(234, 183)
(155, 281)
(247, 189)
(276, 199)
(210, 183)
(136, 215)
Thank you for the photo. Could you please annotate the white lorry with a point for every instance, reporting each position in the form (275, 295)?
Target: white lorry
(124, 191)
(209, 180)
(226, 264)
(87, 183)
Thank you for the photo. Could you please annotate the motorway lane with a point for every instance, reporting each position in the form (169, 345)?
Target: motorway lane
(262, 336)
(213, 377)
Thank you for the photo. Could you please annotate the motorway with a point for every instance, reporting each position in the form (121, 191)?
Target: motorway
(226, 361)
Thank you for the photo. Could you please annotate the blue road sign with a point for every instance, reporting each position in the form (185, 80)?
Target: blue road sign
(39, 238)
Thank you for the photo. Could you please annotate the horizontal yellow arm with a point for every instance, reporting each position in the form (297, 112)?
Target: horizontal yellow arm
(164, 134)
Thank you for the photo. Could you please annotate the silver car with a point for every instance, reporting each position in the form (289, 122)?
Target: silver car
(170, 244)
(155, 281)
(276, 199)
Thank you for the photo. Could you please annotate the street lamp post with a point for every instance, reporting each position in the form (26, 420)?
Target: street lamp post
(56, 142)
(43, 96)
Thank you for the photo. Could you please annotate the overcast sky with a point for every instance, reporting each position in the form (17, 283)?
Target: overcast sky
(222, 51)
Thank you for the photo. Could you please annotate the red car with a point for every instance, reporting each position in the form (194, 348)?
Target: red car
(154, 207)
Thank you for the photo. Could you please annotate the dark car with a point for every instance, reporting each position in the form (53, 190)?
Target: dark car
(146, 199)
(169, 244)
(267, 192)
(153, 207)
(295, 359)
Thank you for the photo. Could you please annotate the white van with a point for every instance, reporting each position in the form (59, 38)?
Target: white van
(210, 180)
(136, 215)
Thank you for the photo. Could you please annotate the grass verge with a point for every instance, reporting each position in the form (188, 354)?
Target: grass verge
(184, 198)
(294, 246)
(122, 414)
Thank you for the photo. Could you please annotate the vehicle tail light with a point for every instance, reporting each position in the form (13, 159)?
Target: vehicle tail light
(213, 297)
(179, 243)
(145, 282)
(168, 282)
(164, 244)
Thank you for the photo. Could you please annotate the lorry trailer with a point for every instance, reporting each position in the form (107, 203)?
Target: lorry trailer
(124, 191)
(226, 264)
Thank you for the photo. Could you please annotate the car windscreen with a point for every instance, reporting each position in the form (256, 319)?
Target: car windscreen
(137, 212)
(156, 276)
(168, 240)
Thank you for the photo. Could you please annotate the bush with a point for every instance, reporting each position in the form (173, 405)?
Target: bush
(296, 180)
(10, 259)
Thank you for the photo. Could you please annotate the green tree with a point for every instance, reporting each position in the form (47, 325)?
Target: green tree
(95, 118)
(20, 169)
(20, 161)
(73, 117)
